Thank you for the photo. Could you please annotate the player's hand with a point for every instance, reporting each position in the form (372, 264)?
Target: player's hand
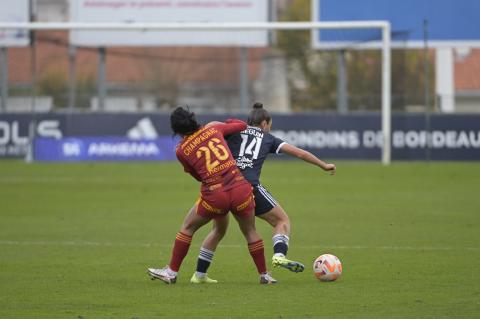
(330, 168)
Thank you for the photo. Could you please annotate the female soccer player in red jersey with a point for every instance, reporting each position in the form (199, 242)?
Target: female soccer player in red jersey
(250, 148)
(204, 154)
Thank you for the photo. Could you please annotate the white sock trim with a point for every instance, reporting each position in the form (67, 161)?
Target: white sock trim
(206, 254)
(277, 238)
(207, 250)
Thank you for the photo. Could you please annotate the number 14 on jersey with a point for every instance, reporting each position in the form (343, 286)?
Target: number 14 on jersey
(253, 147)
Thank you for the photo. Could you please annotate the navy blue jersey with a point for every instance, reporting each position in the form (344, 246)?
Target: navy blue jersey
(250, 148)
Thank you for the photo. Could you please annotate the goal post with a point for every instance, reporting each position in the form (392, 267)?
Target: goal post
(384, 26)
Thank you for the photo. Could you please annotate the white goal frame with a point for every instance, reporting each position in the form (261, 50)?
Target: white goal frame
(382, 25)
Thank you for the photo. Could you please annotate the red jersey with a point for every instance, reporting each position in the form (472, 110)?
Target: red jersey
(205, 155)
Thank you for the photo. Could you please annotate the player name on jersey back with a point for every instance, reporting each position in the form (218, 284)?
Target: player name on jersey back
(252, 131)
(194, 140)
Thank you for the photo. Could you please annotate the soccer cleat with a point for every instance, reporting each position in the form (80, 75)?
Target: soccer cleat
(162, 274)
(202, 280)
(267, 279)
(281, 261)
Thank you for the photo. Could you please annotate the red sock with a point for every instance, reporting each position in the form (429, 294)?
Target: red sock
(258, 255)
(180, 250)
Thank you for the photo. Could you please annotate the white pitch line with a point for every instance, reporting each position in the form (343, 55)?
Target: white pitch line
(120, 244)
(56, 179)
(46, 179)
(72, 243)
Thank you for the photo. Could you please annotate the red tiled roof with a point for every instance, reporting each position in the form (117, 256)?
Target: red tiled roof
(467, 72)
(128, 64)
(188, 64)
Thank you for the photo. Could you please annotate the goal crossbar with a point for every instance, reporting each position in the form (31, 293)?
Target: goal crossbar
(384, 26)
(204, 26)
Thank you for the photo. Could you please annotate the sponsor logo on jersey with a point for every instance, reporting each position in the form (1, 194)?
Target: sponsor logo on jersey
(222, 167)
(244, 162)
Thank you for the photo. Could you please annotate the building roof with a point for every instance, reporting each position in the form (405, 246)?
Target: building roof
(129, 64)
(467, 71)
(182, 65)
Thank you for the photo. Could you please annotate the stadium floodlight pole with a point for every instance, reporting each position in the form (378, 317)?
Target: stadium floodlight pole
(250, 26)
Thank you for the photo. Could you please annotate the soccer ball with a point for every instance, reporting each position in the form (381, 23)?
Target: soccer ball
(327, 267)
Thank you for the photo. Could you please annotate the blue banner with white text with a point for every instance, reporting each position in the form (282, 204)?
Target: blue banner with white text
(124, 137)
(104, 149)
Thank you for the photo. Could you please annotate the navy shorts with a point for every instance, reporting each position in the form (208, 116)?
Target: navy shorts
(264, 201)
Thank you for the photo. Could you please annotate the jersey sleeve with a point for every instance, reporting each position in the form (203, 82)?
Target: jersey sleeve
(187, 167)
(231, 126)
(277, 144)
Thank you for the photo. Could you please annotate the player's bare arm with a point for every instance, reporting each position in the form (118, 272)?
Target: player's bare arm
(213, 123)
(308, 157)
(229, 126)
(228, 121)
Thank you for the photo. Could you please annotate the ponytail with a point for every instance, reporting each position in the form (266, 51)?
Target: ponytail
(258, 114)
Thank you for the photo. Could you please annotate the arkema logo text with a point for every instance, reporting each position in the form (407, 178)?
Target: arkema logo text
(104, 149)
(136, 149)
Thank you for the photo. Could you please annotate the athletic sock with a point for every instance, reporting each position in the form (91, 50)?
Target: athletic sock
(180, 250)
(258, 255)
(280, 244)
(204, 260)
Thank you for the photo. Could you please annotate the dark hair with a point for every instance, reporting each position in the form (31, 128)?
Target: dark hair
(258, 115)
(183, 122)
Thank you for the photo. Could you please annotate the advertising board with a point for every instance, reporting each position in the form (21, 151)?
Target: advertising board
(148, 136)
(144, 11)
(16, 12)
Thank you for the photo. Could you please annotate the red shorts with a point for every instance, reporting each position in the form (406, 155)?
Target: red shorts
(238, 200)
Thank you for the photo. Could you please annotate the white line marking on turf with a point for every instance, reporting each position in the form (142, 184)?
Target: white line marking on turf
(48, 179)
(120, 244)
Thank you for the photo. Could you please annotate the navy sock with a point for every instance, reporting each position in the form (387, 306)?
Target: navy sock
(280, 248)
(204, 260)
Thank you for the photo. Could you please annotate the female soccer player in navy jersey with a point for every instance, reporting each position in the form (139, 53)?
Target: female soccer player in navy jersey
(250, 148)
(204, 154)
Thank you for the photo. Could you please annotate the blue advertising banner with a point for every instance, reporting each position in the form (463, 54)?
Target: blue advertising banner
(122, 137)
(104, 149)
(451, 23)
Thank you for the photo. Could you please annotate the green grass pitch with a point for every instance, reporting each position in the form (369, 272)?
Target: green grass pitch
(75, 241)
